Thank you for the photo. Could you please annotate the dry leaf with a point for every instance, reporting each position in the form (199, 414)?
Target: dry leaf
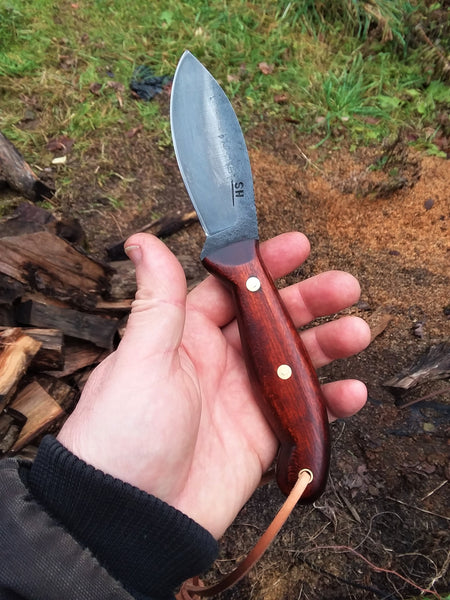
(60, 145)
(265, 68)
(132, 132)
(281, 98)
(95, 88)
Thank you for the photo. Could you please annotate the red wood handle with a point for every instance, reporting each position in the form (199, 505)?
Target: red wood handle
(286, 383)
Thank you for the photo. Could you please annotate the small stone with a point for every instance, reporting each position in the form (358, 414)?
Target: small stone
(429, 427)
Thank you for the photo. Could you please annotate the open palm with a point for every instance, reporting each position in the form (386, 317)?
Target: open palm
(172, 412)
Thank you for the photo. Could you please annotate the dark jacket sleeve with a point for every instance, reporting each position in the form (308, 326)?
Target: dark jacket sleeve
(69, 531)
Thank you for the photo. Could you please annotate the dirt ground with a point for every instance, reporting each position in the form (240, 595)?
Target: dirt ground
(381, 528)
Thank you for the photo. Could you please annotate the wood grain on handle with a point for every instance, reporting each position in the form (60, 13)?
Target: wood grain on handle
(286, 383)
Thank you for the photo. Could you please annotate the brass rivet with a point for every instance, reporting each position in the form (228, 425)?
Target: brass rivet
(253, 284)
(284, 371)
(309, 472)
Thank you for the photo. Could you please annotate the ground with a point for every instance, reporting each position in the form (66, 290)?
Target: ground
(381, 528)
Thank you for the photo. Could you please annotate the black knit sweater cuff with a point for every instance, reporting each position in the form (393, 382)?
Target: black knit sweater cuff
(149, 546)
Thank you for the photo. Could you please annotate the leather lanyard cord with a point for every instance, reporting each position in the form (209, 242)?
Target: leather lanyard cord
(193, 589)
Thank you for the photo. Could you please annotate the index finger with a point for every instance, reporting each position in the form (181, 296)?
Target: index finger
(281, 255)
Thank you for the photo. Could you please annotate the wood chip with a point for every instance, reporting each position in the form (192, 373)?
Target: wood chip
(39, 408)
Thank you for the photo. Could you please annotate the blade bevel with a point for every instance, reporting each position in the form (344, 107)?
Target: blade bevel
(212, 156)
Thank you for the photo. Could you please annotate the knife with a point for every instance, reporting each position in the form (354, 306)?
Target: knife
(215, 167)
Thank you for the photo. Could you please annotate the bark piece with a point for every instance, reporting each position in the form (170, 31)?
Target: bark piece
(433, 364)
(98, 330)
(40, 409)
(18, 173)
(11, 422)
(379, 320)
(16, 353)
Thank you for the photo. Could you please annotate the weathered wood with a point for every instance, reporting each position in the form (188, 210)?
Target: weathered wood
(10, 289)
(16, 353)
(40, 409)
(51, 352)
(123, 280)
(433, 364)
(7, 318)
(163, 227)
(9, 438)
(29, 218)
(115, 306)
(18, 173)
(94, 328)
(51, 265)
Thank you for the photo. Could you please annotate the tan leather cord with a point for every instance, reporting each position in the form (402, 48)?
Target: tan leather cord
(193, 589)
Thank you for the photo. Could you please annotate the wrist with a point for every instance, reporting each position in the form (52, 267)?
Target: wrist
(149, 546)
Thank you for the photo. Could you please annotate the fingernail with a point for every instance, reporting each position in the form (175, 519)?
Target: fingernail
(134, 253)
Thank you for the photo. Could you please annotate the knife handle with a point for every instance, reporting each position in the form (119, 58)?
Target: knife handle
(285, 381)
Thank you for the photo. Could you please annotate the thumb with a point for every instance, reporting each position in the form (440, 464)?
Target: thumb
(157, 315)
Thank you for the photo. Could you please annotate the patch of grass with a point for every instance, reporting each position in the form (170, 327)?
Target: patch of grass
(351, 17)
(343, 98)
(341, 68)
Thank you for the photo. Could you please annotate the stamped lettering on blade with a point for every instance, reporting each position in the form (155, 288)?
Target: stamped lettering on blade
(237, 190)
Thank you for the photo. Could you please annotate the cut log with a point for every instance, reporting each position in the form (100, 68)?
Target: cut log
(19, 175)
(64, 394)
(40, 409)
(79, 355)
(16, 353)
(93, 328)
(49, 264)
(163, 227)
(51, 352)
(433, 364)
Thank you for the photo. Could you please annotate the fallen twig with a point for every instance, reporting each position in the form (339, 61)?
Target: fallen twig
(424, 398)
(436, 489)
(375, 567)
(428, 512)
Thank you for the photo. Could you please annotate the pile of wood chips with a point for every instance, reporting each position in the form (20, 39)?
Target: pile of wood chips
(61, 313)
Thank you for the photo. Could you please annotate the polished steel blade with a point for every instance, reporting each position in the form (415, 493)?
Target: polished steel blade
(212, 156)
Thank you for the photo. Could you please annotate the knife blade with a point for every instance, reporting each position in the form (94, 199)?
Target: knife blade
(215, 167)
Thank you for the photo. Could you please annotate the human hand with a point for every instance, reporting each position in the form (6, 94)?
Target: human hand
(172, 412)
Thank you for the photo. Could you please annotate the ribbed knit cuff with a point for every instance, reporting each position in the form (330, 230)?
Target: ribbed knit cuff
(149, 546)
